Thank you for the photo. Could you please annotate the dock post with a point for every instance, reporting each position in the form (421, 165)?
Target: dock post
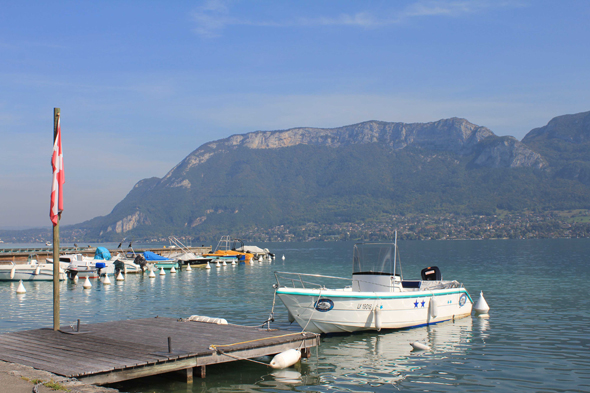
(306, 353)
(189, 375)
(201, 371)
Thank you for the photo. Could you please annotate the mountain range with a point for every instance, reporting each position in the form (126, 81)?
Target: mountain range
(356, 173)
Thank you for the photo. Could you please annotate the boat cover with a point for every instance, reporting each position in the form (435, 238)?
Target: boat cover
(254, 250)
(150, 256)
(102, 254)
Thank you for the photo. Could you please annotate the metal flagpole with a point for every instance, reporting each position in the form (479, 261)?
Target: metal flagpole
(56, 262)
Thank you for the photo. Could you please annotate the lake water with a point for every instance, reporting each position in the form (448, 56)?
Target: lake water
(537, 338)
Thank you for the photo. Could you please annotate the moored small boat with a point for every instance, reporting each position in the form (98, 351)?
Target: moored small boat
(31, 271)
(376, 298)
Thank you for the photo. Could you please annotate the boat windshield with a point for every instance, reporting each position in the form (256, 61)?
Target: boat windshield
(373, 258)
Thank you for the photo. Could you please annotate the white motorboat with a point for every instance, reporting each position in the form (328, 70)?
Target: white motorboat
(376, 298)
(185, 256)
(31, 271)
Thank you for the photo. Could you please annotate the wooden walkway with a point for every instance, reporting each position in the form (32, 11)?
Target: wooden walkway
(111, 352)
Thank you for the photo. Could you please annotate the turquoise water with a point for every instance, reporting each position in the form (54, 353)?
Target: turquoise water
(537, 338)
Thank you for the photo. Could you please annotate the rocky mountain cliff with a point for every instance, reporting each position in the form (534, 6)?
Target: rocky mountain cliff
(349, 174)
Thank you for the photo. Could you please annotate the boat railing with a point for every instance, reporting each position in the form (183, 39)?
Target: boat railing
(302, 280)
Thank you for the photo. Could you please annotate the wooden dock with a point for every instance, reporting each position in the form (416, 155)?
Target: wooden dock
(117, 351)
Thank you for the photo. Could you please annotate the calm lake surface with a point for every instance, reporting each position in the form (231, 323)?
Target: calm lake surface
(537, 338)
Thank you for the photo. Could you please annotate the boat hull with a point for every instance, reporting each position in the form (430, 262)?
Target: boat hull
(345, 311)
(30, 273)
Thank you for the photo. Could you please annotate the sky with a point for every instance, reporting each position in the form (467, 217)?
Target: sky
(142, 84)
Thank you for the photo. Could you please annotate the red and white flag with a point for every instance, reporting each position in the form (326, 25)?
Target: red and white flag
(57, 162)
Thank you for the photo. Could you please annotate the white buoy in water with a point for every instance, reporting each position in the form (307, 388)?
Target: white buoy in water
(173, 270)
(87, 284)
(420, 347)
(152, 274)
(286, 358)
(377, 313)
(224, 263)
(217, 264)
(233, 261)
(481, 306)
(107, 280)
(208, 266)
(162, 272)
(21, 288)
(120, 277)
(283, 257)
(433, 308)
(188, 267)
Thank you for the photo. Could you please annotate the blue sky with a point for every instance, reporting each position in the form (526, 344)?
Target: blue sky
(141, 84)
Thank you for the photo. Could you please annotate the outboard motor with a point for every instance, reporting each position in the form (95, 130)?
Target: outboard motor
(431, 274)
(140, 260)
(119, 267)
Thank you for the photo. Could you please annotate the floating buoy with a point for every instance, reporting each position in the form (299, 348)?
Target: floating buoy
(107, 280)
(433, 308)
(233, 261)
(208, 266)
(87, 284)
(120, 277)
(420, 347)
(21, 288)
(162, 272)
(173, 270)
(283, 257)
(286, 358)
(224, 263)
(12, 272)
(188, 267)
(217, 264)
(152, 274)
(377, 313)
(481, 306)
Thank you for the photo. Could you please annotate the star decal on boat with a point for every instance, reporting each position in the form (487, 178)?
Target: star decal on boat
(416, 304)
(423, 303)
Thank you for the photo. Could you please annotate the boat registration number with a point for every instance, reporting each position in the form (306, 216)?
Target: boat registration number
(364, 306)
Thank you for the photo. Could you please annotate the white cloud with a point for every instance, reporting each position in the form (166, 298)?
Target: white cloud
(214, 15)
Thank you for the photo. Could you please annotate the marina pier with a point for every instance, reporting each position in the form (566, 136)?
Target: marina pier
(110, 352)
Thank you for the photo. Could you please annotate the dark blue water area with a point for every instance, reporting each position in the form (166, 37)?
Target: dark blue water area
(536, 339)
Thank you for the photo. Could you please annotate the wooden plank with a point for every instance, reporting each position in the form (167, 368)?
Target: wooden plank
(76, 349)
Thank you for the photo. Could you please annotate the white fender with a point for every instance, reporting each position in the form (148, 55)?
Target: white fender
(378, 321)
(87, 284)
(37, 270)
(283, 257)
(286, 358)
(481, 306)
(433, 307)
(420, 347)
(12, 272)
(21, 288)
